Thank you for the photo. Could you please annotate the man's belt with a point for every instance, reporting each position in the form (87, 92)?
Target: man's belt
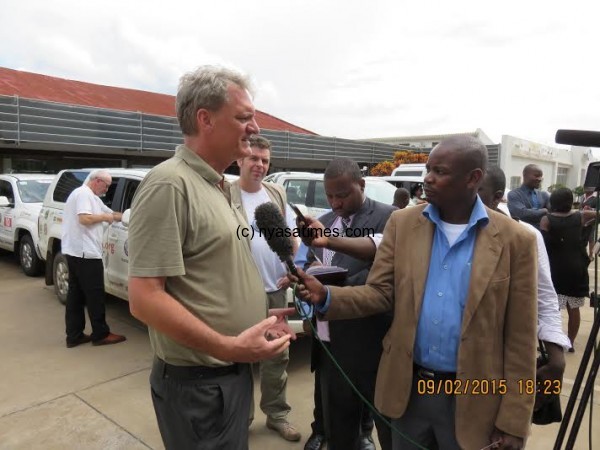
(429, 374)
(195, 372)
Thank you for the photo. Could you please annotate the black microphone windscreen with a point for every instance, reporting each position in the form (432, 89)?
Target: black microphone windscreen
(578, 138)
(272, 226)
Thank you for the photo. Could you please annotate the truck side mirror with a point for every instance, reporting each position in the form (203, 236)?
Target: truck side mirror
(5, 202)
(125, 218)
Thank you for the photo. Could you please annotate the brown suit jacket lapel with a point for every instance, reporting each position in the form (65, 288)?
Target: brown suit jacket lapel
(420, 255)
(487, 253)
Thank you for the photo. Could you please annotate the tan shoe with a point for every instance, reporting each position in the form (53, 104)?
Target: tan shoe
(110, 339)
(285, 429)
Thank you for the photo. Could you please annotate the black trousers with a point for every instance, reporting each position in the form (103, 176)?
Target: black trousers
(318, 425)
(86, 288)
(202, 412)
(345, 415)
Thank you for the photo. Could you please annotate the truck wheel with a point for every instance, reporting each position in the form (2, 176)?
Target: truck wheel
(30, 261)
(61, 277)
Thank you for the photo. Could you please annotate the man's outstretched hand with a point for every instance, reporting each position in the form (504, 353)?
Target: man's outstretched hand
(309, 289)
(252, 345)
(281, 327)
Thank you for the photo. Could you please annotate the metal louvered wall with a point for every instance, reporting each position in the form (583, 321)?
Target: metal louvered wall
(24, 121)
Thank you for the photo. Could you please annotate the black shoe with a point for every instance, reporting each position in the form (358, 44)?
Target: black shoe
(365, 442)
(315, 442)
(83, 339)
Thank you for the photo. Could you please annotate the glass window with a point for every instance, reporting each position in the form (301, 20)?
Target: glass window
(6, 190)
(320, 196)
(67, 183)
(380, 191)
(408, 173)
(296, 191)
(562, 175)
(33, 191)
(515, 182)
(107, 198)
(128, 194)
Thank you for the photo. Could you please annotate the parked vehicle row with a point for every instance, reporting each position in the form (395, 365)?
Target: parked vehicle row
(31, 217)
(115, 252)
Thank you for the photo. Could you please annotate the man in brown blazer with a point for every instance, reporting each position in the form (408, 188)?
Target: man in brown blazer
(461, 281)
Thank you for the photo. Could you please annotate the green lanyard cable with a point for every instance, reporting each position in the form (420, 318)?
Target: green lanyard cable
(306, 316)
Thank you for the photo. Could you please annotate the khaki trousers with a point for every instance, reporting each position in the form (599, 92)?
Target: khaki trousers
(273, 374)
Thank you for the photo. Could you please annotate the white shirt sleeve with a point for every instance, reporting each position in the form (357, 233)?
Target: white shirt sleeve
(549, 318)
(290, 217)
(376, 238)
(105, 208)
(84, 202)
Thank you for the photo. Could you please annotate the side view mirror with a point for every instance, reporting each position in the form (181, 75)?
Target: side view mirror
(5, 202)
(125, 218)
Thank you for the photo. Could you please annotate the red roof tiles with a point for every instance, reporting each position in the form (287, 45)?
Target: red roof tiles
(43, 87)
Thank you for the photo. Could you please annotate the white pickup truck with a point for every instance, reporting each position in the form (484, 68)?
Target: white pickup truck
(21, 197)
(115, 245)
(115, 257)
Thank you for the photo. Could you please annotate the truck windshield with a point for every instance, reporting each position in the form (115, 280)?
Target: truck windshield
(33, 191)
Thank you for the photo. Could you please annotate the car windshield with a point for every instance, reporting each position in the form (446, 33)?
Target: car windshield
(380, 191)
(33, 191)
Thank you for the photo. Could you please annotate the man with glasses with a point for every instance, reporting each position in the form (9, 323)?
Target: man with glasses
(82, 244)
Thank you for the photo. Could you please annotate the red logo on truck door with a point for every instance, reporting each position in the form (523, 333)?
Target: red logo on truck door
(8, 222)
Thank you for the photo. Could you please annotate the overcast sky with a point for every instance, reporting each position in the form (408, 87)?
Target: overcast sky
(352, 69)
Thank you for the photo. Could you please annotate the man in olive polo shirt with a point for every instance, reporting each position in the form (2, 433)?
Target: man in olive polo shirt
(193, 280)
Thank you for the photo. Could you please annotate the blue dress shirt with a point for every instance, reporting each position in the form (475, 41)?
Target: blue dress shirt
(301, 255)
(446, 291)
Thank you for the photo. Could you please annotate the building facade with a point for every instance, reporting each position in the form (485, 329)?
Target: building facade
(562, 166)
(427, 142)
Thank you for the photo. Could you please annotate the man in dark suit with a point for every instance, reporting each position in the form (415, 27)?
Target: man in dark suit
(356, 343)
(528, 203)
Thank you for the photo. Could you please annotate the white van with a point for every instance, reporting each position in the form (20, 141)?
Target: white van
(307, 191)
(410, 170)
(407, 175)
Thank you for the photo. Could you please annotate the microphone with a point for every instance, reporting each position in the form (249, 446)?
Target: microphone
(578, 138)
(272, 226)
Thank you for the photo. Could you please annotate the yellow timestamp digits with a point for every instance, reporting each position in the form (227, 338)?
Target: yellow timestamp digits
(544, 387)
(461, 387)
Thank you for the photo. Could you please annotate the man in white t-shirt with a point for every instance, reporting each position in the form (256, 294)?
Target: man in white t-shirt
(82, 244)
(246, 194)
